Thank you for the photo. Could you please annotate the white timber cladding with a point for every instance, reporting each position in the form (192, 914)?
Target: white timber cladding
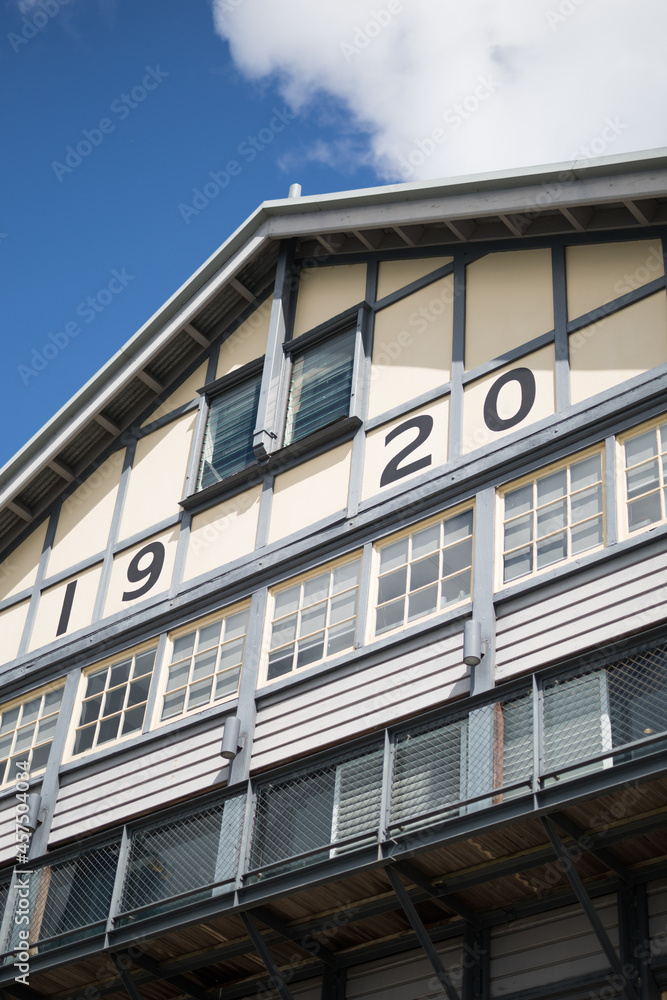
(546, 948)
(339, 708)
(619, 600)
(112, 792)
(406, 976)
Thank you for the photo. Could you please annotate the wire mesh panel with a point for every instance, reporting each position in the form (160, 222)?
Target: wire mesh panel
(430, 771)
(186, 860)
(317, 814)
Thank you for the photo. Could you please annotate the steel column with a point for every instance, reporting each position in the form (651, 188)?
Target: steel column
(266, 956)
(126, 978)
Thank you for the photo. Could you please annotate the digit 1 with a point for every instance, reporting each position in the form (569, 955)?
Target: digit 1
(66, 610)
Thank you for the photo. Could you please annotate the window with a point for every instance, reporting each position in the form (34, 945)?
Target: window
(314, 618)
(552, 517)
(205, 665)
(26, 731)
(320, 385)
(646, 476)
(424, 570)
(114, 700)
(229, 431)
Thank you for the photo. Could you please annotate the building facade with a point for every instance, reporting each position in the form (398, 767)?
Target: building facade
(334, 634)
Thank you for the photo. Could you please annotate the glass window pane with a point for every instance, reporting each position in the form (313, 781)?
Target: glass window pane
(96, 682)
(392, 585)
(585, 473)
(640, 448)
(343, 607)
(200, 693)
(456, 588)
(229, 431)
(287, 601)
(519, 501)
(425, 571)
(663, 437)
(24, 737)
(9, 719)
(90, 710)
(30, 710)
(47, 728)
(138, 691)
(551, 550)
(519, 532)
(457, 557)
(518, 564)
(316, 589)
(143, 663)
(231, 653)
(643, 479)
(52, 700)
(390, 616)
(425, 541)
(84, 739)
(178, 675)
(314, 619)
(320, 385)
(40, 757)
(227, 683)
(183, 646)
(345, 577)
(237, 624)
(173, 704)
(120, 672)
(310, 650)
(551, 487)
(457, 527)
(587, 535)
(209, 635)
(133, 720)
(108, 729)
(341, 637)
(552, 518)
(587, 503)
(283, 631)
(6, 745)
(644, 511)
(393, 555)
(424, 602)
(204, 664)
(280, 662)
(113, 701)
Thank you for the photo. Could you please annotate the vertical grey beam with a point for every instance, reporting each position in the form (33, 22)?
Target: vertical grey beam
(584, 900)
(264, 438)
(181, 553)
(264, 516)
(239, 768)
(197, 445)
(262, 950)
(107, 565)
(648, 988)
(365, 600)
(560, 327)
(126, 979)
(610, 505)
(476, 963)
(119, 882)
(363, 362)
(483, 608)
(422, 934)
(158, 667)
(41, 573)
(334, 984)
(51, 779)
(627, 935)
(458, 359)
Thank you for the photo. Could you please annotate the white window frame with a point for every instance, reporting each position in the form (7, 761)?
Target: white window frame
(163, 667)
(22, 700)
(540, 473)
(623, 523)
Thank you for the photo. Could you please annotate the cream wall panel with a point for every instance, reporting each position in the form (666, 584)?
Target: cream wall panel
(157, 480)
(247, 342)
(412, 346)
(616, 348)
(186, 766)
(51, 605)
(12, 621)
(600, 273)
(326, 291)
(85, 517)
(476, 433)
(378, 453)
(339, 708)
(395, 274)
(185, 393)
(584, 616)
(406, 975)
(223, 533)
(120, 584)
(19, 570)
(310, 492)
(545, 948)
(509, 300)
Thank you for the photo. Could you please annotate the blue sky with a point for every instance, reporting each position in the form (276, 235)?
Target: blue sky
(155, 96)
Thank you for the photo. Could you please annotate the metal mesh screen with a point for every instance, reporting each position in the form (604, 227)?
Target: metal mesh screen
(177, 862)
(314, 815)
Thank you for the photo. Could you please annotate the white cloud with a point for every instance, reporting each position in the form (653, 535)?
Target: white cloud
(447, 88)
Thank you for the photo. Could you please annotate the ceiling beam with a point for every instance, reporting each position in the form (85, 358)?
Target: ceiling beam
(183, 983)
(151, 382)
(278, 925)
(130, 986)
(448, 900)
(365, 239)
(61, 470)
(20, 510)
(264, 953)
(109, 426)
(580, 838)
(197, 335)
(242, 290)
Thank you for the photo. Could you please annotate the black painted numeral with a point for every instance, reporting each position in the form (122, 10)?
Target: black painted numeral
(66, 610)
(149, 573)
(526, 380)
(393, 470)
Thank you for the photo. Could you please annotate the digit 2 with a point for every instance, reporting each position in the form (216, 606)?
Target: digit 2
(151, 572)
(393, 469)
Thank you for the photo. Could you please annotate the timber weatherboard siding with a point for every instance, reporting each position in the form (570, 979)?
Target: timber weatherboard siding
(406, 976)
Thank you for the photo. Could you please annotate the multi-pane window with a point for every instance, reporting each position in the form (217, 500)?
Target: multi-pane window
(227, 444)
(26, 732)
(114, 700)
(205, 665)
(320, 385)
(646, 477)
(424, 571)
(314, 618)
(553, 517)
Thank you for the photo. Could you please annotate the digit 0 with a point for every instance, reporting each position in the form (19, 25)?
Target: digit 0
(149, 573)
(526, 381)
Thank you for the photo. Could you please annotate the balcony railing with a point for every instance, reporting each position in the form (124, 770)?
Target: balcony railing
(423, 775)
